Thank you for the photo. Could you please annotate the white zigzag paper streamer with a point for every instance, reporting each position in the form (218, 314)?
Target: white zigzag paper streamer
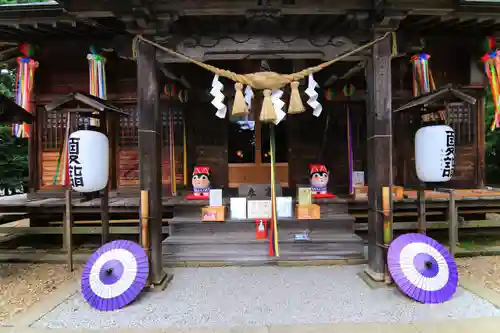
(249, 97)
(278, 105)
(313, 96)
(218, 100)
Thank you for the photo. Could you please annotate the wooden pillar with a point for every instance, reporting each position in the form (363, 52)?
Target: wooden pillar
(379, 151)
(150, 147)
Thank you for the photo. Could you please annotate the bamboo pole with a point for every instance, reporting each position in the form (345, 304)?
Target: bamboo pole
(388, 232)
(145, 227)
(272, 142)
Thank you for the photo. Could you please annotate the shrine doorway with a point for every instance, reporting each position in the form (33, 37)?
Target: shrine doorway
(249, 152)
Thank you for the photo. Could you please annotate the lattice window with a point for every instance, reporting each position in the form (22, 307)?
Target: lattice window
(460, 116)
(129, 127)
(54, 129)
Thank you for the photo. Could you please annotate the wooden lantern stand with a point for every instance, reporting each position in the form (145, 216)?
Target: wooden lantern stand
(78, 103)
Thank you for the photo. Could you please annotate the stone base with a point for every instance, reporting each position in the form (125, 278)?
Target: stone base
(371, 282)
(377, 277)
(162, 285)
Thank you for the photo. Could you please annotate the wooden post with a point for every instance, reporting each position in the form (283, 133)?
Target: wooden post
(481, 143)
(105, 191)
(422, 222)
(452, 224)
(379, 151)
(68, 229)
(34, 174)
(150, 147)
(113, 124)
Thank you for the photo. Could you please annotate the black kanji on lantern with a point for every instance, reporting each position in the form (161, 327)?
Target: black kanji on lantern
(75, 170)
(74, 150)
(449, 159)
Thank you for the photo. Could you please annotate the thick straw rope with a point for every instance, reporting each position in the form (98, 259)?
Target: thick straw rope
(258, 80)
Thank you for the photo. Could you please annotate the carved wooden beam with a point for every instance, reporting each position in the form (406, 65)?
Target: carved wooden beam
(263, 47)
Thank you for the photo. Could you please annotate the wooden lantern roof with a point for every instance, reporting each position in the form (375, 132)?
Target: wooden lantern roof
(74, 101)
(10, 112)
(446, 94)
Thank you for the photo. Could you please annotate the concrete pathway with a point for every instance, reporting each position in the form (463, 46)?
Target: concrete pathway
(267, 299)
(482, 325)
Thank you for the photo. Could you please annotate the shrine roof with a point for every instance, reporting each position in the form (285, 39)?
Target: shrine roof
(75, 98)
(10, 112)
(446, 93)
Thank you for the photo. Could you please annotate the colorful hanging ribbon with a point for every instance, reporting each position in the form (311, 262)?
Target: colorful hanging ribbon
(25, 79)
(491, 62)
(97, 82)
(423, 81)
(173, 171)
(329, 94)
(173, 93)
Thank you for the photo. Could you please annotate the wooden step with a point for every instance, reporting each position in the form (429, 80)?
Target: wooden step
(234, 244)
(252, 260)
(230, 243)
(196, 218)
(194, 226)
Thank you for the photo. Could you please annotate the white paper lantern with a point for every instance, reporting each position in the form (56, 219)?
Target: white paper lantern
(435, 153)
(88, 154)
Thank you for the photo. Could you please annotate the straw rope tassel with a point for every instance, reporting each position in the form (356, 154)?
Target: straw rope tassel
(295, 106)
(268, 113)
(239, 104)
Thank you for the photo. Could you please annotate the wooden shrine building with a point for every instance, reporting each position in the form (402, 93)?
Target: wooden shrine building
(172, 126)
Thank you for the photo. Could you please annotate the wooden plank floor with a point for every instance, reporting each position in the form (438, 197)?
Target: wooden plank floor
(117, 204)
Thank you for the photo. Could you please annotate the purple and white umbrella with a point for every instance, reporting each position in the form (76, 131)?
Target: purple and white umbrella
(422, 268)
(114, 275)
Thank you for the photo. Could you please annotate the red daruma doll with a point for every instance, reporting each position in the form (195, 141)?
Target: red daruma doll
(319, 181)
(201, 182)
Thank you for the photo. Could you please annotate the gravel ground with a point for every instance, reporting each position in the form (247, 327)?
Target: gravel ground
(222, 297)
(485, 270)
(22, 285)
